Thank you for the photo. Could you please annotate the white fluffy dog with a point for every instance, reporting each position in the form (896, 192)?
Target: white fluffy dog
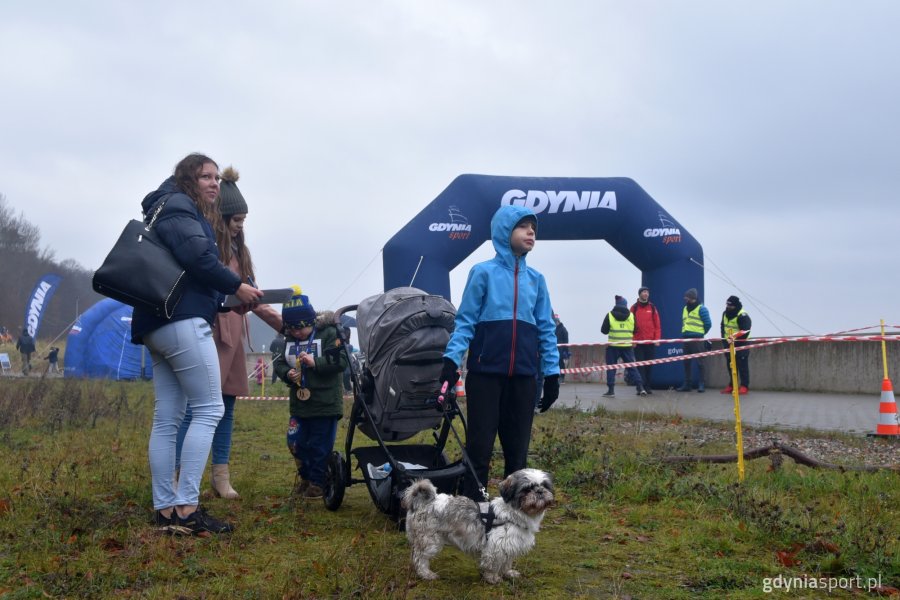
(434, 520)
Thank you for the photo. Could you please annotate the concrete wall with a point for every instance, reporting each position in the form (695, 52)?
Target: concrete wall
(837, 367)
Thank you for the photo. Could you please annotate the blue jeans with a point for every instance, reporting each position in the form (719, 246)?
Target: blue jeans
(311, 440)
(221, 444)
(185, 373)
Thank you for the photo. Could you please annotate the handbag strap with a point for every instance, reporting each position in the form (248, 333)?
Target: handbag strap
(159, 206)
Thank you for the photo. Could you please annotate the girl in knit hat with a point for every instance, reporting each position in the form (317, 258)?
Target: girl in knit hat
(231, 330)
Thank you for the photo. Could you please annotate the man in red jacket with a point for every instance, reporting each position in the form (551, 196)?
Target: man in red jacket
(646, 327)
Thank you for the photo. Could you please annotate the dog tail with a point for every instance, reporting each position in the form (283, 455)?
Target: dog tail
(419, 494)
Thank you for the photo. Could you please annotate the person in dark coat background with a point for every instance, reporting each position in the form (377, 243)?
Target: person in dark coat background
(562, 337)
(25, 345)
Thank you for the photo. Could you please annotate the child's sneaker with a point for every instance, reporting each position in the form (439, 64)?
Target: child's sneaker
(200, 522)
(313, 491)
(300, 486)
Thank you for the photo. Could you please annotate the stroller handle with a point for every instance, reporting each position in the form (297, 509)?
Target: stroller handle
(344, 309)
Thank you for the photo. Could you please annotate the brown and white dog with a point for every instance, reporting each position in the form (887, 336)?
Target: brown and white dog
(434, 520)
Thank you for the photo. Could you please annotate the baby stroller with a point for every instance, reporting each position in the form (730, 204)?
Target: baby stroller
(396, 394)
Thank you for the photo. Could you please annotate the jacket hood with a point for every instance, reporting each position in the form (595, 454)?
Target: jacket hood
(620, 312)
(502, 224)
(167, 187)
(324, 319)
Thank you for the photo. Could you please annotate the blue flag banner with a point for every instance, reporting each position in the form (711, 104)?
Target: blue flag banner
(39, 298)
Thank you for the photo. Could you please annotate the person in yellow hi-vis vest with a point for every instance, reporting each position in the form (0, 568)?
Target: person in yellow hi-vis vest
(695, 323)
(619, 325)
(735, 319)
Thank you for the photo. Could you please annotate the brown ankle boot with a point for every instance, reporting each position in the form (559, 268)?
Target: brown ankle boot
(221, 483)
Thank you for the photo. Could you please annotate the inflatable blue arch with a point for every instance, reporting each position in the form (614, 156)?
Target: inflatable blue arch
(614, 209)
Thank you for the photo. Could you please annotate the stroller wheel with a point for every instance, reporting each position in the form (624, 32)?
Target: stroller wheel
(334, 481)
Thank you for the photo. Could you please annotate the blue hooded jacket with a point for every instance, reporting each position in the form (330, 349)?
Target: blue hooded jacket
(190, 237)
(505, 319)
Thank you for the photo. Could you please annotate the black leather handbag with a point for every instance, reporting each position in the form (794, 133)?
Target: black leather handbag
(140, 270)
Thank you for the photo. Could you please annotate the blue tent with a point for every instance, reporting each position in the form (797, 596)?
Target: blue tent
(99, 345)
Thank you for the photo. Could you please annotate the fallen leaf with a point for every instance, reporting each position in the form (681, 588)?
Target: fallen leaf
(787, 559)
(886, 590)
(627, 575)
(4, 506)
(112, 545)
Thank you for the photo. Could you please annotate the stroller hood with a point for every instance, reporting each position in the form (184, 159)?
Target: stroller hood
(386, 320)
(403, 334)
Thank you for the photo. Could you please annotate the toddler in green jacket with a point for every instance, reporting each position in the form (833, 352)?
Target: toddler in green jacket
(312, 364)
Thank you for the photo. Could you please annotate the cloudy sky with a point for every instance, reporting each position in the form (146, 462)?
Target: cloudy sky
(769, 129)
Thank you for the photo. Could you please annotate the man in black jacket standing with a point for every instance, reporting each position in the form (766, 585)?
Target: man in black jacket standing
(25, 345)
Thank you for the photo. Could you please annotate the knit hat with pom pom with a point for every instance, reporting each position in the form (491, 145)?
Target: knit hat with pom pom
(231, 201)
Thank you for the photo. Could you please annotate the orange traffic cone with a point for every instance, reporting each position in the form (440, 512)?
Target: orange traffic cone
(888, 422)
(460, 388)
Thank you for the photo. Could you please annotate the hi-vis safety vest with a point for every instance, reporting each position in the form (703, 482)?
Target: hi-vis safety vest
(691, 321)
(621, 333)
(731, 325)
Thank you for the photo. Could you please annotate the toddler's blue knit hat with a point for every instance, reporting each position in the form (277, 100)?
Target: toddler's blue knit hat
(298, 311)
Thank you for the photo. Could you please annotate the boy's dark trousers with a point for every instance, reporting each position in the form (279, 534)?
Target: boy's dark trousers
(312, 440)
(497, 405)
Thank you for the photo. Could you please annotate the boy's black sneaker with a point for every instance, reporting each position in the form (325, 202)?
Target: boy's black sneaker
(200, 522)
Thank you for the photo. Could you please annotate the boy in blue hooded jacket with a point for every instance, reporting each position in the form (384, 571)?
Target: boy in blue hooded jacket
(505, 321)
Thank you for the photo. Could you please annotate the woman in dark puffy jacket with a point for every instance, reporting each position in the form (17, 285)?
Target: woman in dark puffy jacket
(185, 362)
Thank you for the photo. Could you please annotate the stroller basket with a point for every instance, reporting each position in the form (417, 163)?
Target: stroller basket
(387, 491)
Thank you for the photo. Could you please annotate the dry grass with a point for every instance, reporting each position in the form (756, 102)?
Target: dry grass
(75, 508)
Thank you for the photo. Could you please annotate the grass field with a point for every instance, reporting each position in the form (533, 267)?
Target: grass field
(75, 511)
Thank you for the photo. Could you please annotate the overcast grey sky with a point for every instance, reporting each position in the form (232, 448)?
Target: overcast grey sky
(769, 129)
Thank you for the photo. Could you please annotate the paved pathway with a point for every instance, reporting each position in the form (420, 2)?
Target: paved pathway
(848, 413)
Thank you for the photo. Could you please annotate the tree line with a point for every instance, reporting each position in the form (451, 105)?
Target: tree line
(22, 262)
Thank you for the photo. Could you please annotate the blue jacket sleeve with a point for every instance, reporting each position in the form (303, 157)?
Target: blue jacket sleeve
(467, 315)
(543, 317)
(704, 316)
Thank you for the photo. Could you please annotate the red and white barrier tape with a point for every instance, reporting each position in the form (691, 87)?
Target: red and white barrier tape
(750, 346)
(262, 398)
(806, 338)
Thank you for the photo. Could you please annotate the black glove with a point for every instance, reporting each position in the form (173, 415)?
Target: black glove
(551, 392)
(449, 374)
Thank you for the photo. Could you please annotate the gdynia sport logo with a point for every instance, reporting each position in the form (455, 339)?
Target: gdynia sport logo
(668, 231)
(458, 228)
(554, 202)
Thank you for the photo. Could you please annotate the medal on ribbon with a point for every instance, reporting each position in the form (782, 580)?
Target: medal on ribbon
(303, 393)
